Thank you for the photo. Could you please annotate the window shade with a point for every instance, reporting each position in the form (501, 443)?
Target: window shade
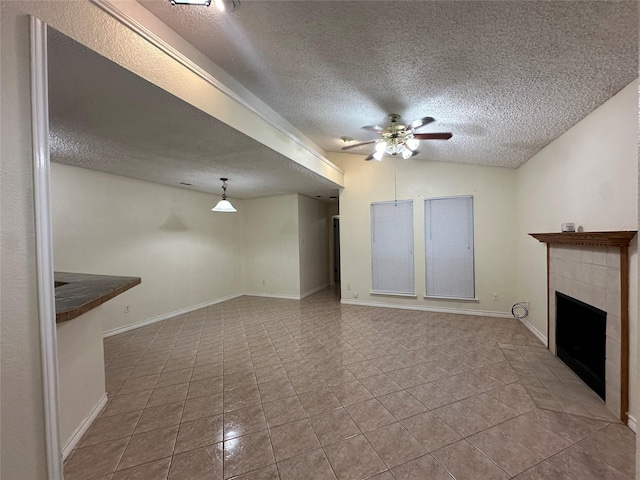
(449, 247)
(392, 247)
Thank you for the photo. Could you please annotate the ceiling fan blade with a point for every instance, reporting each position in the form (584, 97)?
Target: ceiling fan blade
(421, 122)
(432, 136)
(373, 128)
(370, 157)
(355, 145)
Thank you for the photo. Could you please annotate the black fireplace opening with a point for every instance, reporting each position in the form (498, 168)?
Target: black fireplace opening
(581, 340)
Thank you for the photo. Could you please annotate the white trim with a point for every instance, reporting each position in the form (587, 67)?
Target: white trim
(456, 311)
(166, 316)
(44, 251)
(453, 299)
(274, 295)
(632, 423)
(83, 427)
(535, 331)
(388, 294)
(159, 43)
(314, 290)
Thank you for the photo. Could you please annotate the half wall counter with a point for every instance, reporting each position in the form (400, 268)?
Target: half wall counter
(77, 293)
(81, 368)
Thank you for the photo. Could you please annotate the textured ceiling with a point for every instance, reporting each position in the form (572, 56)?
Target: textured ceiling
(505, 77)
(106, 118)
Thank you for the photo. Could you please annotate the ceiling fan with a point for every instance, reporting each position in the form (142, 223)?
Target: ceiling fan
(398, 139)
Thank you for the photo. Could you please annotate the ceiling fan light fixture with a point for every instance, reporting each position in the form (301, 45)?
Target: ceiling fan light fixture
(393, 149)
(397, 139)
(224, 205)
(412, 143)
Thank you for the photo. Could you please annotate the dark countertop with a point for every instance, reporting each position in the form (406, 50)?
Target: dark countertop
(77, 293)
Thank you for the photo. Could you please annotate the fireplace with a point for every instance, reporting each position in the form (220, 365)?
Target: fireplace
(581, 340)
(593, 268)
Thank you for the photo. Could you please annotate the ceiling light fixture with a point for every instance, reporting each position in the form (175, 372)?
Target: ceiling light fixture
(224, 205)
(223, 5)
(201, 3)
(397, 139)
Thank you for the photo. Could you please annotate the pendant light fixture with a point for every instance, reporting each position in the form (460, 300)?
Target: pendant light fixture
(224, 205)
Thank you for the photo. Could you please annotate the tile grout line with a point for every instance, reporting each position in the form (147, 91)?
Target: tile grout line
(321, 336)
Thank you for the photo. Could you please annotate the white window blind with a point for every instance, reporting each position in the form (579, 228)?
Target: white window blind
(449, 247)
(392, 247)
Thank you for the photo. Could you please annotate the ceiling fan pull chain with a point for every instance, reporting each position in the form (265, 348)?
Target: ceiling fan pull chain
(395, 186)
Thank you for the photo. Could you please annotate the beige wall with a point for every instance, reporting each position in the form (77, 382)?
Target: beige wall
(271, 249)
(493, 190)
(21, 396)
(21, 403)
(314, 223)
(587, 176)
(185, 254)
(81, 384)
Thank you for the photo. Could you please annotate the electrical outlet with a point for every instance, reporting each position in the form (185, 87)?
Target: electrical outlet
(127, 309)
(494, 297)
(355, 295)
(263, 282)
(348, 287)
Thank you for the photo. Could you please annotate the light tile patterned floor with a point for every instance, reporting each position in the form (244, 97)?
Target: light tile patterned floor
(268, 389)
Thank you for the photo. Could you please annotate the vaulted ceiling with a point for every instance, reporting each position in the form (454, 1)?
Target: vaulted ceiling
(505, 77)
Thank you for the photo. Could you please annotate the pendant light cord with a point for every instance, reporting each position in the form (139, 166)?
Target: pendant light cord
(395, 187)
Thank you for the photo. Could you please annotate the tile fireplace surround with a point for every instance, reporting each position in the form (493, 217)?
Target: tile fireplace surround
(593, 267)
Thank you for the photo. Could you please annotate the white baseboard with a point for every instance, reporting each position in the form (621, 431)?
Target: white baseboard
(274, 295)
(311, 292)
(535, 331)
(457, 311)
(632, 423)
(84, 426)
(166, 316)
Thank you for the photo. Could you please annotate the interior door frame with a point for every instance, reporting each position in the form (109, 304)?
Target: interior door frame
(44, 245)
